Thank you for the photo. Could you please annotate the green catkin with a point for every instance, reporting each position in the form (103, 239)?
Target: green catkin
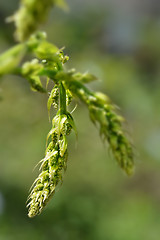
(52, 166)
(30, 14)
(110, 123)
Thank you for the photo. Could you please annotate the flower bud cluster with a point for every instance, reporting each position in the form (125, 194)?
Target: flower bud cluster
(52, 166)
(30, 15)
(111, 130)
(53, 98)
(102, 111)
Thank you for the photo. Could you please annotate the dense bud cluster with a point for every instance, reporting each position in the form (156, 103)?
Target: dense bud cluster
(30, 14)
(52, 166)
(102, 111)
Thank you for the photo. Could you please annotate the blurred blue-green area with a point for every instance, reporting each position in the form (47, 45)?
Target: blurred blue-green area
(119, 42)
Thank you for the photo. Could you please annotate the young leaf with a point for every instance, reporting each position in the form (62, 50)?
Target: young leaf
(36, 84)
(46, 50)
(85, 77)
(53, 99)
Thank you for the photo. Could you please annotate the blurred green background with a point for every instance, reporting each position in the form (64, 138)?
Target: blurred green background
(118, 41)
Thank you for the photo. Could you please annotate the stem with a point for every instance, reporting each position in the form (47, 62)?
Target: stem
(62, 99)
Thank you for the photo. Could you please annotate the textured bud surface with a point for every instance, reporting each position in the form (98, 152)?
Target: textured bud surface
(103, 113)
(52, 166)
(30, 14)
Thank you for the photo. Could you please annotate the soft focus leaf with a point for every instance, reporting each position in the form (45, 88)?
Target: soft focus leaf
(46, 50)
(10, 59)
(85, 77)
(61, 4)
(36, 84)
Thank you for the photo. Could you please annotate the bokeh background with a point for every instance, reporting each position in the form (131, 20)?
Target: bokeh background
(118, 41)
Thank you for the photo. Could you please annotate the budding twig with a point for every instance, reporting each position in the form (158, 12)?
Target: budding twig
(48, 62)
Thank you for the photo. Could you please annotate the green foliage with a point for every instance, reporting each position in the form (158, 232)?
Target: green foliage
(11, 59)
(46, 60)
